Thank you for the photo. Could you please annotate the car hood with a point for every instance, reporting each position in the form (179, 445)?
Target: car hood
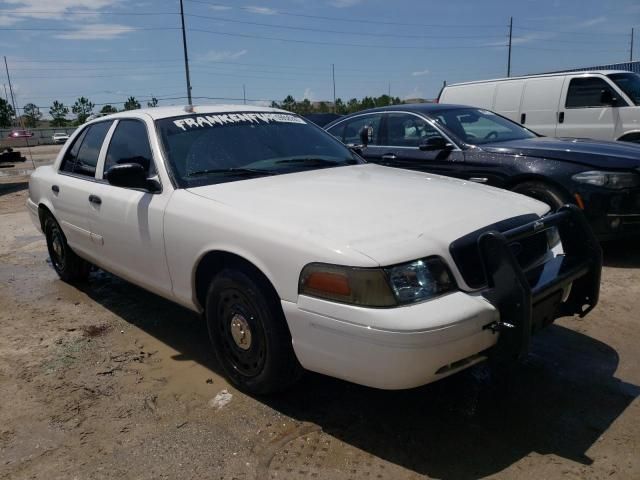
(387, 214)
(593, 153)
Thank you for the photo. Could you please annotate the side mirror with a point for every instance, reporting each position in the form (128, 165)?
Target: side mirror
(607, 98)
(130, 175)
(366, 135)
(435, 143)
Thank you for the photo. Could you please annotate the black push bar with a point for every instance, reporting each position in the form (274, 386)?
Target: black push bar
(565, 285)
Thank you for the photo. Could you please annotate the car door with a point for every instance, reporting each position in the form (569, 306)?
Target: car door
(348, 132)
(590, 109)
(73, 186)
(127, 223)
(404, 133)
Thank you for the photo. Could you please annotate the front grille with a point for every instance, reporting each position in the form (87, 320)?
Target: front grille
(465, 251)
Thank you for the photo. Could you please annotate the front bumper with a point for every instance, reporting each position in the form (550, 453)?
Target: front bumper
(612, 213)
(409, 346)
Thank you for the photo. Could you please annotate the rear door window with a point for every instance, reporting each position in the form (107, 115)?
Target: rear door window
(82, 157)
(348, 132)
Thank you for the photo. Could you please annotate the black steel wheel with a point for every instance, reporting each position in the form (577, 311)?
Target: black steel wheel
(249, 333)
(69, 266)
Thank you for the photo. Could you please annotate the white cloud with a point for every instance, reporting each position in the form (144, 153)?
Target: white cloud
(260, 10)
(344, 3)
(308, 94)
(219, 55)
(56, 9)
(420, 73)
(96, 31)
(219, 8)
(592, 22)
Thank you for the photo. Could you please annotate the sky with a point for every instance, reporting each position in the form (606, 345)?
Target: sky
(108, 50)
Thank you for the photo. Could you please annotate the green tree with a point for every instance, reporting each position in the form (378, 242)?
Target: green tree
(107, 109)
(322, 108)
(6, 113)
(353, 105)
(82, 109)
(131, 104)
(304, 107)
(59, 114)
(31, 115)
(289, 103)
(153, 102)
(340, 107)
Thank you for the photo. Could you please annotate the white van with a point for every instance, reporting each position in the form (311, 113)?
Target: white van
(604, 105)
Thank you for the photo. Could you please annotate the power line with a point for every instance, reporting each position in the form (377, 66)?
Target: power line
(341, 32)
(340, 44)
(342, 19)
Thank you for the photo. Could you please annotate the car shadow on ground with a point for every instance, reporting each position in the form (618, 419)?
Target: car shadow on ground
(560, 400)
(7, 188)
(623, 253)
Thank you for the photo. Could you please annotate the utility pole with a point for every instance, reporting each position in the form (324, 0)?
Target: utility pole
(333, 76)
(510, 38)
(244, 93)
(13, 99)
(631, 49)
(186, 56)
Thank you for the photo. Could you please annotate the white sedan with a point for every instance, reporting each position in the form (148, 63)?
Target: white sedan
(301, 255)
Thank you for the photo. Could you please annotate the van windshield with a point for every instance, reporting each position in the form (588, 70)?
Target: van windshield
(477, 126)
(629, 83)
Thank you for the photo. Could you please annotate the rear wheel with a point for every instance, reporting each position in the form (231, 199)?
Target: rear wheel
(69, 266)
(544, 192)
(249, 332)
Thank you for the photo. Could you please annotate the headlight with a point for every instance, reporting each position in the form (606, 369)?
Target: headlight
(377, 287)
(615, 180)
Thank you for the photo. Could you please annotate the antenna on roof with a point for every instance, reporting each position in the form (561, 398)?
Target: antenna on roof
(186, 56)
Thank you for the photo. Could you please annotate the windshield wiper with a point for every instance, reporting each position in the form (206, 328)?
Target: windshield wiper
(238, 172)
(316, 161)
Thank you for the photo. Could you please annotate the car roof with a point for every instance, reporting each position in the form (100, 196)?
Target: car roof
(541, 75)
(409, 107)
(157, 113)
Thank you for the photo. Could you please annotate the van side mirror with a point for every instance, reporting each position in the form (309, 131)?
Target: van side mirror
(366, 135)
(435, 143)
(130, 175)
(607, 98)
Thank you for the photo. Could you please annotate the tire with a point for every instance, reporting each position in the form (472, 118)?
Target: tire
(544, 192)
(69, 266)
(249, 333)
(632, 137)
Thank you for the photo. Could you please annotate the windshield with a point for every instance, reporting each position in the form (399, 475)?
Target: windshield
(477, 127)
(215, 148)
(629, 83)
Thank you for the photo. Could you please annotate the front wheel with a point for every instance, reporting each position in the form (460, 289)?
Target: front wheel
(249, 333)
(548, 194)
(69, 266)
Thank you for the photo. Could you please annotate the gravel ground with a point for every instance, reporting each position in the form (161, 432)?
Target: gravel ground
(105, 380)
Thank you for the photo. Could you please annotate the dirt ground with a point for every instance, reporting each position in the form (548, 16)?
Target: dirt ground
(109, 381)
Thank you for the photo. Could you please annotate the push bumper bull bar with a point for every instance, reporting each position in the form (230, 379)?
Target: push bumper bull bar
(531, 300)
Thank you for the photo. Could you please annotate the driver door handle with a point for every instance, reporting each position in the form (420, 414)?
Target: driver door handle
(389, 156)
(95, 199)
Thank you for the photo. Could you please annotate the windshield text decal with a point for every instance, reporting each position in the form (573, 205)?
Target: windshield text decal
(230, 118)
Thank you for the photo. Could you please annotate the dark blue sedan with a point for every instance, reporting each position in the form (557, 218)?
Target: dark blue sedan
(602, 178)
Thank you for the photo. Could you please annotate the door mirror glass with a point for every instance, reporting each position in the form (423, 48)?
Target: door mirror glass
(366, 135)
(435, 143)
(129, 175)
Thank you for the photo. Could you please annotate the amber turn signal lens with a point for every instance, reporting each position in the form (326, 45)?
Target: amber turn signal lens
(332, 283)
